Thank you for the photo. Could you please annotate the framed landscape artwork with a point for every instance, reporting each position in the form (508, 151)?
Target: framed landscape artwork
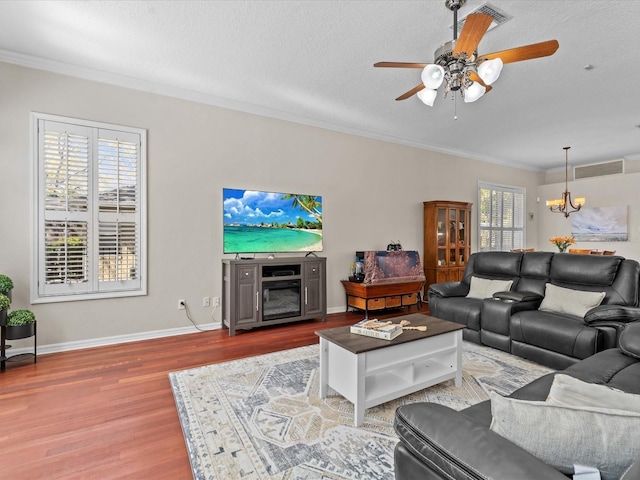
(600, 224)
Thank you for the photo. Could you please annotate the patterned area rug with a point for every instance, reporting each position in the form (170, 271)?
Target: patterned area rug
(261, 417)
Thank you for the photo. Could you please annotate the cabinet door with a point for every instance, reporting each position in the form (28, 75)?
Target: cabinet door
(456, 274)
(441, 235)
(463, 241)
(247, 296)
(313, 293)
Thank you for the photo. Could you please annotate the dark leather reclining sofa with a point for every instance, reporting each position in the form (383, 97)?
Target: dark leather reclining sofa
(511, 321)
(438, 443)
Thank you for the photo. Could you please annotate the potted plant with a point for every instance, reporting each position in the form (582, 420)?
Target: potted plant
(6, 285)
(4, 306)
(20, 324)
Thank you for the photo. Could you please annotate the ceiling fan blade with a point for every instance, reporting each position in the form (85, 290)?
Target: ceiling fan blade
(474, 28)
(411, 92)
(476, 78)
(527, 52)
(400, 65)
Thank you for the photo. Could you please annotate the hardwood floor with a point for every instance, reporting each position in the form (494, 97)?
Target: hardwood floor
(108, 412)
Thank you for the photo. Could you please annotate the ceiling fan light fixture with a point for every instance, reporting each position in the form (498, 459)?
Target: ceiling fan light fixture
(428, 96)
(432, 76)
(473, 92)
(489, 70)
(457, 64)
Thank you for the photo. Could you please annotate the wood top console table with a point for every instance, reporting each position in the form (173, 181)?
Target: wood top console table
(379, 296)
(392, 279)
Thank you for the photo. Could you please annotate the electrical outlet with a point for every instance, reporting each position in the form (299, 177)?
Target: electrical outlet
(206, 301)
(216, 301)
(181, 304)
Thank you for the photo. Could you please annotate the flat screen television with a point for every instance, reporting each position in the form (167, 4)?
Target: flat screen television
(270, 222)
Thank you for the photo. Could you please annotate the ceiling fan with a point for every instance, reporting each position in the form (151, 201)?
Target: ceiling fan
(458, 65)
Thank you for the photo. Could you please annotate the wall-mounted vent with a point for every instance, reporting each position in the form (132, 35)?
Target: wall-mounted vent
(614, 167)
(499, 17)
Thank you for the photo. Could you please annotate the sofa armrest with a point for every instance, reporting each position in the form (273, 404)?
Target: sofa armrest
(449, 289)
(513, 296)
(612, 313)
(447, 442)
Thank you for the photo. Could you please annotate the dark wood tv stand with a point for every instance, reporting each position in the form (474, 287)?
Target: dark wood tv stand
(263, 291)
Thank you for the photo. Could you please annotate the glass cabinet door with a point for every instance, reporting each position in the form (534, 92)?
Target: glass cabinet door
(453, 236)
(442, 222)
(462, 227)
(441, 227)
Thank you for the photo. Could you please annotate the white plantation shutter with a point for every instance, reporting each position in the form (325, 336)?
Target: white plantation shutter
(501, 217)
(65, 151)
(90, 210)
(118, 210)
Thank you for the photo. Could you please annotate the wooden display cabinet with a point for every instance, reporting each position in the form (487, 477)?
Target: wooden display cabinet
(447, 240)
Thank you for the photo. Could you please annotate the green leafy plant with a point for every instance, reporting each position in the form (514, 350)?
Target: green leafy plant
(6, 283)
(17, 318)
(4, 302)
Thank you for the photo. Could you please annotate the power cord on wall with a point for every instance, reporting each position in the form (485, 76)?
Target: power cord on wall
(188, 313)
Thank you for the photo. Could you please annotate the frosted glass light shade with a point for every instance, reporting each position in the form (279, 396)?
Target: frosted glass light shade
(432, 76)
(427, 96)
(473, 92)
(489, 70)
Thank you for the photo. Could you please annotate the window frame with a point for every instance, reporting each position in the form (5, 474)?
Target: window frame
(95, 289)
(494, 187)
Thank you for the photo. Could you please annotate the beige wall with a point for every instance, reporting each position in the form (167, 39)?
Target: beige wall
(605, 191)
(372, 192)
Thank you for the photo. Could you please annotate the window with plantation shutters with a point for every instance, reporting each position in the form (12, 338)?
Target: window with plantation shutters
(501, 217)
(90, 210)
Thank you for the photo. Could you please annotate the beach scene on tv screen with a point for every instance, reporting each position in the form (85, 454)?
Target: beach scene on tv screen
(269, 222)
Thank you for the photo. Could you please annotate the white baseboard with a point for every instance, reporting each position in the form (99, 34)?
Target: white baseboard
(134, 337)
(101, 342)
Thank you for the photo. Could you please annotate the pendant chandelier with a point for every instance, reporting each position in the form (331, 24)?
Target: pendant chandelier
(565, 205)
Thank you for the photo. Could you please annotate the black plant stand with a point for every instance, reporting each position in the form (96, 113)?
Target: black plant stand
(15, 333)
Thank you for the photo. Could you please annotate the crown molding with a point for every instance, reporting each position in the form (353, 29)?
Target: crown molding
(157, 88)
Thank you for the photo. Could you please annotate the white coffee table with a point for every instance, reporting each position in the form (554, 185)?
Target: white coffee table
(369, 371)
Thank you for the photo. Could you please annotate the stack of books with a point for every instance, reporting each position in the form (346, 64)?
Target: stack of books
(377, 329)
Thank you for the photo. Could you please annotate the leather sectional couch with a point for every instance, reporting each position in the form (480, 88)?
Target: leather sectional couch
(512, 321)
(438, 443)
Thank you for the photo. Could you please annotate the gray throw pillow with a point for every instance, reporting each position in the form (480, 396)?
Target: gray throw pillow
(608, 440)
(484, 288)
(568, 391)
(566, 300)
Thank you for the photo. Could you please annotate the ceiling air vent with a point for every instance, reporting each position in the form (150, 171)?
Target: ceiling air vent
(614, 167)
(499, 17)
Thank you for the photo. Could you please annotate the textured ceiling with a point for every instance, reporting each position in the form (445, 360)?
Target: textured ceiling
(311, 62)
